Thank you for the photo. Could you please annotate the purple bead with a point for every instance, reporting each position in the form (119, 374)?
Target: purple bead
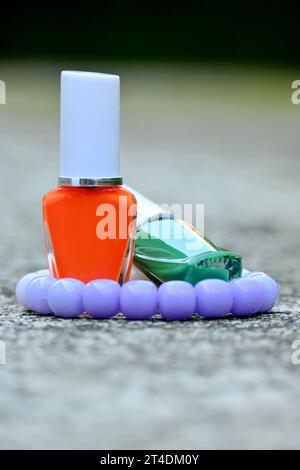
(65, 297)
(176, 300)
(270, 289)
(138, 299)
(101, 298)
(37, 294)
(214, 298)
(22, 285)
(248, 296)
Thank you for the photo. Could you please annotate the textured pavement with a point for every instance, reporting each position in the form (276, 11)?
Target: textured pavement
(226, 137)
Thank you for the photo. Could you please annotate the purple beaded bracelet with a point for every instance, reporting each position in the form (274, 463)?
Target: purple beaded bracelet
(141, 299)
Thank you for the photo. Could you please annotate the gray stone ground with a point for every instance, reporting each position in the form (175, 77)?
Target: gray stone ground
(228, 137)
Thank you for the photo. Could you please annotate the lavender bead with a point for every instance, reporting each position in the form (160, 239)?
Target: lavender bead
(44, 271)
(65, 297)
(270, 288)
(37, 294)
(101, 298)
(214, 298)
(22, 285)
(248, 296)
(138, 299)
(176, 300)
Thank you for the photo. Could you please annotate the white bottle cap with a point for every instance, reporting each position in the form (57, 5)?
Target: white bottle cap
(90, 128)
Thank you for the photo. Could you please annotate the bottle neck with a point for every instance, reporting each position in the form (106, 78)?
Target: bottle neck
(89, 182)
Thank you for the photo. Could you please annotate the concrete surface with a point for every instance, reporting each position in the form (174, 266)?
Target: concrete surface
(226, 137)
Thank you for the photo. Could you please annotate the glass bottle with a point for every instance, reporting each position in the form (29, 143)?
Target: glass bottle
(168, 248)
(89, 219)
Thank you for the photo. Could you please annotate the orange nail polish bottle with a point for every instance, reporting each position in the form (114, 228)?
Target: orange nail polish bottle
(89, 219)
